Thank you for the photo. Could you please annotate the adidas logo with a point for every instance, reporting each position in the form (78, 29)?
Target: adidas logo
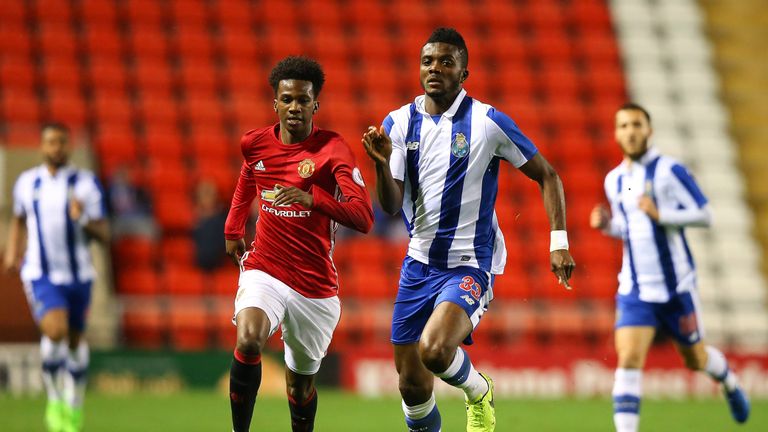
(259, 166)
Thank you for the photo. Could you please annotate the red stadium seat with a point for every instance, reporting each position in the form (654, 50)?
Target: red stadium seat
(107, 73)
(167, 176)
(15, 40)
(20, 106)
(145, 325)
(167, 211)
(68, 107)
(193, 42)
(136, 250)
(177, 251)
(225, 283)
(50, 11)
(98, 11)
(57, 39)
(13, 11)
(138, 280)
(189, 12)
(189, 322)
(158, 108)
(144, 11)
(238, 42)
(184, 280)
(224, 331)
(148, 41)
(199, 76)
(103, 41)
(111, 105)
(232, 14)
(61, 73)
(17, 72)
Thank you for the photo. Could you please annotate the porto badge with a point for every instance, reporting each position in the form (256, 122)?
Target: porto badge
(459, 146)
(306, 168)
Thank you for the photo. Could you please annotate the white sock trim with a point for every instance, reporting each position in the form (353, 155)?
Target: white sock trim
(419, 411)
(628, 382)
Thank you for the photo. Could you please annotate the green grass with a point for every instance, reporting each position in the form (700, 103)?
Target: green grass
(341, 412)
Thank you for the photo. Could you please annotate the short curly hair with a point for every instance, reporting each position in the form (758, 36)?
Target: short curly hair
(452, 37)
(298, 68)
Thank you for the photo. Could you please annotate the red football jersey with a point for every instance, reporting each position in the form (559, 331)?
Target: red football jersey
(292, 243)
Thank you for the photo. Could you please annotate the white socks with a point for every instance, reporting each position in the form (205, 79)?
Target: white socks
(627, 392)
(419, 411)
(76, 376)
(717, 368)
(463, 375)
(53, 356)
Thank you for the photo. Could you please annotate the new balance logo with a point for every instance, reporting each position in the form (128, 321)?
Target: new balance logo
(259, 166)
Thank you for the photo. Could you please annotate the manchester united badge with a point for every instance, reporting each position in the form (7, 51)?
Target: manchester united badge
(306, 168)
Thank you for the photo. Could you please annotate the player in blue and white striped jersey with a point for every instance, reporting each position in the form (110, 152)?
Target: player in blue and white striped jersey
(58, 208)
(653, 198)
(437, 163)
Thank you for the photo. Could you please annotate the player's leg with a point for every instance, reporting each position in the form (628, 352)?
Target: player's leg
(53, 351)
(416, 385)
(78, 355)
(684, 323)
(259, 309)
(307, 331)
(464, 296)
(48, 306)
(413, 307)
(632, 344)
(302, 400)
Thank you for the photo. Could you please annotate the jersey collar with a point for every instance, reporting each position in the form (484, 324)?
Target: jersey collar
(649, 155)
(419, 101)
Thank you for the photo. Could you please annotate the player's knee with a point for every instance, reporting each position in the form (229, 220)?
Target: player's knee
(55, 332)
(694, 363)
(631, 359)
(249, 340)
(410, 390)
(435, 356)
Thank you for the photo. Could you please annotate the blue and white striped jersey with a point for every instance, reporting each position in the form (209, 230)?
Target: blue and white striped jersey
(657, 262)
(450, 165)
(56, 245)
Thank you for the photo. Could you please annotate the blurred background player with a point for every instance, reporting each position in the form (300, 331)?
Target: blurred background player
(653, 198)
(437, 162)
(307, 182)
(58, 208)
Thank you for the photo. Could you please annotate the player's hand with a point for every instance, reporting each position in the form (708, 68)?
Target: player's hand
(287, 195)
(562, 265)
(75, 209)
(599, 218)
(235, 250)
(646, 204)
(377, 144)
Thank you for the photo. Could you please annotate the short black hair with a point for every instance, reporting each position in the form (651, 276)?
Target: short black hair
(453, 37)
(55, 126)
(636, 107)
(298, 68)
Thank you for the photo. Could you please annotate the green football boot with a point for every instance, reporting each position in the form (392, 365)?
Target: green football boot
(481, 415)
(55, 416)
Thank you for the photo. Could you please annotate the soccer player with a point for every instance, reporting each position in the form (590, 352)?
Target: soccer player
(58, 208)
(307, 182)
(653, 198)
(437, 162)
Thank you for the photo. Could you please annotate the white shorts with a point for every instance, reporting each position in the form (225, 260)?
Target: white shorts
(307, 323)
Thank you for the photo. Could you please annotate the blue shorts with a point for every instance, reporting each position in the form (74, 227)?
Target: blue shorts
(678, 316)
(423, 287)
(43, 296)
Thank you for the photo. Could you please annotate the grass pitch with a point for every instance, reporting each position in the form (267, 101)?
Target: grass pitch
(343, 412)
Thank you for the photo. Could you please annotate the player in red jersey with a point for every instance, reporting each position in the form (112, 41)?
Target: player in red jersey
(307, 183)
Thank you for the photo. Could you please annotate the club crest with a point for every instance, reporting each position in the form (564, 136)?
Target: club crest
(306, 168)
(459, 146)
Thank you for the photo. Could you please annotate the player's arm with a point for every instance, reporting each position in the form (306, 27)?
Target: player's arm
(356, 211)
(239, 210)
(17, 232)
(688, 207)
(389, 190)
(87, 209)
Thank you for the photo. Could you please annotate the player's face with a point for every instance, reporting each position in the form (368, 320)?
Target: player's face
(295, 104)
(632, 132)
(55, 147)
(441, 70)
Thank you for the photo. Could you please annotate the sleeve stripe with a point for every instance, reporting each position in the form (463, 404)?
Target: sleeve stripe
(388, 123)
(510, 129)
(690, 185)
